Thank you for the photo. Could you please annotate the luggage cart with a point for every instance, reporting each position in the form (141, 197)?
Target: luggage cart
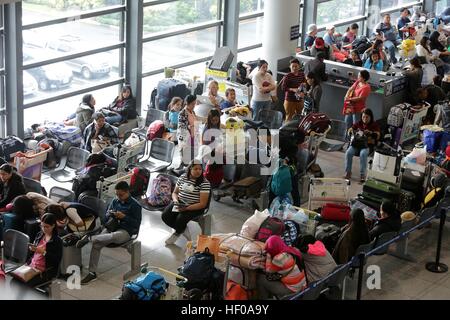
(412, 123)
(314, 140)
(128, 155)
(328, 190)
(105, 186)
(30, 164)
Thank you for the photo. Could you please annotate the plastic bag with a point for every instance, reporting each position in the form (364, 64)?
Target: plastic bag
(278, 206)
(418, 155)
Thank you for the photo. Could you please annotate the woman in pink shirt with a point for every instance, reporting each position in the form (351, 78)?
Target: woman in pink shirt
(46, 252)
(355, 99)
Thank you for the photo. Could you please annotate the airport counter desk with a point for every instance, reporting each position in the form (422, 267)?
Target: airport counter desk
(388, 88)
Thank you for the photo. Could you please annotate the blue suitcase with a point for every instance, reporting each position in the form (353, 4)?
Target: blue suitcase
(167, 89)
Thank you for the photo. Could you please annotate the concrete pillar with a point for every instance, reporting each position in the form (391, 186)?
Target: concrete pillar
(279, 17)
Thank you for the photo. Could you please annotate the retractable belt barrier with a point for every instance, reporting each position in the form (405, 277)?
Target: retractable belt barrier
(360, 258)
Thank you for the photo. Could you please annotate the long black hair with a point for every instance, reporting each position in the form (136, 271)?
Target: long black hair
(357, 226)
(50, 219)
(212, 114)
(7, 168)
(434, 42)
(23, 207)
(200, 179)
(87, 100)
(125, 88)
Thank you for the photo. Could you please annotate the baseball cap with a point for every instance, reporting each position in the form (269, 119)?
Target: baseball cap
(319, 43)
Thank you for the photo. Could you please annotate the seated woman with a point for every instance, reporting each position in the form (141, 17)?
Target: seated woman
(318, 261)
(354, 234)
(190, 199)
(390, 220)
(354, 59)
(72, 216)
(374, 62)
(122, 108)
(19, 210)
(437, 49)
(83, 115)
(99, 133)
(282, 274)
(378, 47)
(365, 129)
(11, 185)
(46, 254)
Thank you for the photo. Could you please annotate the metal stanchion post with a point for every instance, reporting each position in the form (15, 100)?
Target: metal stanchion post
(362, 258)
(437, 266)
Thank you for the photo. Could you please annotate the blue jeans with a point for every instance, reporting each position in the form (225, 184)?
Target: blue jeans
(114, 119)
(350, 119)
(390, 47)
(363, 156)
(72, 116)
(257, 106)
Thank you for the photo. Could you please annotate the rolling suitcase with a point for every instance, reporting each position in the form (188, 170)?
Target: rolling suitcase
(413, 181)
(378, 191)
(167, 89)
(406, 201)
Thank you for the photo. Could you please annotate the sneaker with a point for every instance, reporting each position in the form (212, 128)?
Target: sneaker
(187, 234)
(363, 178)
(82, 242)
(173, 238)
(92, 276)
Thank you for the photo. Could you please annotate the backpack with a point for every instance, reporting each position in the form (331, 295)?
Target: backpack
(160, 191)
(316, 121)
(155, 130)
(198, 269)
(291, 232)
(281, 183)
(397, 114)
(139, 181)
(150, 286)
(214, 173)
(270, 227)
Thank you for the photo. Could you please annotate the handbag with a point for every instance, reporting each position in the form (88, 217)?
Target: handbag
(112, 224)
(359, 141)
(25, 273)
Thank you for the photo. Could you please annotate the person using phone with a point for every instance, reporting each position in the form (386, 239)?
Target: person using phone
(190, 199)
(45, 254)
(98, 131)
(128, 215)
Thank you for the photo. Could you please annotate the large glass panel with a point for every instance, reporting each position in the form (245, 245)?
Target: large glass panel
(178, 49)
(249, 6)
(59, 110)
(250, 32)
(250, 55)
(41, 10)
(440, 6)
(335, 10)
(386, 4)
(58, 78)
(75, 36)
(179, 14)
(148, 84)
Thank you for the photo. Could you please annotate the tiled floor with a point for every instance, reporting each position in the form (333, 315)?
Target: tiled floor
(399, 279)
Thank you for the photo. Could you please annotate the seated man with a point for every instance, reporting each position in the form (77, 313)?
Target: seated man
(389, 35)
(127, 214)
(98, 135)
(321, 46)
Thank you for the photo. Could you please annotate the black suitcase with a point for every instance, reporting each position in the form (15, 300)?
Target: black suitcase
(9, 146)
(413, 182)
(407, 201)
(167, 89)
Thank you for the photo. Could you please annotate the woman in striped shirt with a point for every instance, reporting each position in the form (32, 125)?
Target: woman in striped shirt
(293, 102)
(283, 276)
(190, 199)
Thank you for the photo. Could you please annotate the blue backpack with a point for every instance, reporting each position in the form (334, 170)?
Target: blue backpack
(149, 286)
(281, 180)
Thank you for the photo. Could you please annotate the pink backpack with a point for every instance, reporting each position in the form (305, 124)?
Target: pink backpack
(160, 192)
(155, 130)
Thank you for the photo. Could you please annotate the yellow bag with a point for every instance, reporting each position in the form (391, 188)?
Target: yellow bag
(212, 243)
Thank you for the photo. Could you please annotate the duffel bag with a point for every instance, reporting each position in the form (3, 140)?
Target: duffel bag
(335, 212)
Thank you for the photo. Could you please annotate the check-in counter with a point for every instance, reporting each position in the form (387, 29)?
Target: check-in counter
(388, 88)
